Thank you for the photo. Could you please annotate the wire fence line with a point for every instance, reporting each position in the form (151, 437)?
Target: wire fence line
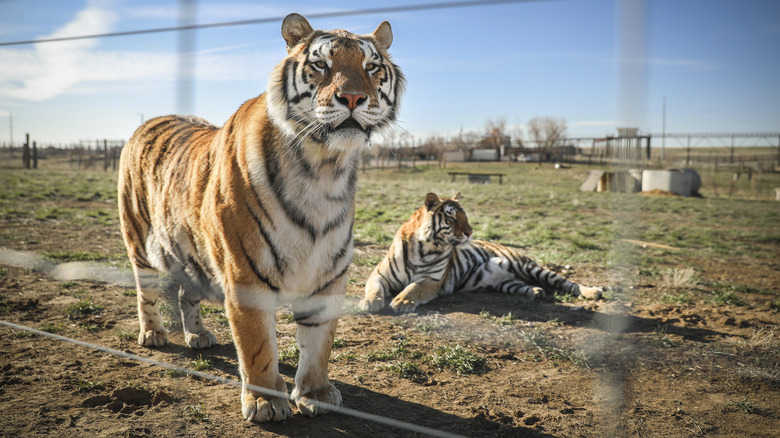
(265, 20)
(265, 391)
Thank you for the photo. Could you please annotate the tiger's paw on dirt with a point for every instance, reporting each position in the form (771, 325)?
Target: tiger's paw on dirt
(590, 292)
(403, 305)
(263, 410)
(198, 341)
(372, 304)
(328, 394)
(153, 338)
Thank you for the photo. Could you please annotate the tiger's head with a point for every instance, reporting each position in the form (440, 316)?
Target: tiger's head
(445, 221)
(334, 88)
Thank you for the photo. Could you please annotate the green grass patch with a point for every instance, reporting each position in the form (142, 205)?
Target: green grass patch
(395, 352)
(127, 335)
(50, 327)
(549, 350)
(198, 413)
(83, 308)
(205, 309)
(201, 364)
(339, 343)
(726, 294)
(745, 406)
(79, 256)
(84, 385)
(290, 355)
(458, 359)
(407, 370)
(677, 298)
(369, 261)
(53, 213)
(172, 373)
(21, 334)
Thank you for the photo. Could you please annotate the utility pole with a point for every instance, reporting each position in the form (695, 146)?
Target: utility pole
(663, 130)
(11, 126)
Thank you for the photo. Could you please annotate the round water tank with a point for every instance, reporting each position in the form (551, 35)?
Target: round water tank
(683, 182)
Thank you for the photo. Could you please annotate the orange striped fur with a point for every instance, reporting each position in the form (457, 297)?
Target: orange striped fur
(260, 211)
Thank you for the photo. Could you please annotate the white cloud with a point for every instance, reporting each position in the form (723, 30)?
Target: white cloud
(57, 68)
(209, 12)
(52, 68)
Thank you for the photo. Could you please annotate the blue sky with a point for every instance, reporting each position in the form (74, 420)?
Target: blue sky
(717, 63)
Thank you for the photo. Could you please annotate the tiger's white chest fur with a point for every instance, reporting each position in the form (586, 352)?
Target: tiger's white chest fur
(309, 202)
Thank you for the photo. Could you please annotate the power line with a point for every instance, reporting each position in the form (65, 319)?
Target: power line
(266, 391)
(387, 9)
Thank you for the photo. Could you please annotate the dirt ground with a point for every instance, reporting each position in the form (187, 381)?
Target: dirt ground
(630, 367)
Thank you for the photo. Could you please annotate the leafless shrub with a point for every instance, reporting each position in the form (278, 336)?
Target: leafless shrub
(676, 278)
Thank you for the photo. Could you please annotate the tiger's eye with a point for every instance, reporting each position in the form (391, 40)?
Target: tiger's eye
(322, 65)
(371, 66)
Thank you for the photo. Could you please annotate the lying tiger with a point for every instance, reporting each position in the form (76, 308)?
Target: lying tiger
(433, 254)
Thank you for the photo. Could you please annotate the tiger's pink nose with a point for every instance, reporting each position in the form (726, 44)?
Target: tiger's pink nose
(351, 100)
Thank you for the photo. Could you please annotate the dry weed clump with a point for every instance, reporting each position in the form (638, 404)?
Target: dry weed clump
(677, 278)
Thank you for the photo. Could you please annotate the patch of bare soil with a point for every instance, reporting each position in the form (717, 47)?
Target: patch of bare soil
(632, 367)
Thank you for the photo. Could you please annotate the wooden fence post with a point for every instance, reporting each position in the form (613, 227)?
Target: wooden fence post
(26, 152)
(35, 155)
(105, 155)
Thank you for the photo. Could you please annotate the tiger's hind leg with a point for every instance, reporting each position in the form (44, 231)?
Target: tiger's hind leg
(195, 334)
(517, 287)
(153, 333)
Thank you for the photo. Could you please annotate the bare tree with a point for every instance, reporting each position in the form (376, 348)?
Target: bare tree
(494, 133)
(517, 133)
(432, 147)
(547, 132)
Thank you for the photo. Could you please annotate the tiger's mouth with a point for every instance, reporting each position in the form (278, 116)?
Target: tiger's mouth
(350, 123)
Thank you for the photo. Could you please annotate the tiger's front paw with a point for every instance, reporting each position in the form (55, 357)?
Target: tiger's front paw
(373, 304)
(590, 292)
(328, 394)
(265, 409)
(201, 340)
(403, 304)
(153, 338)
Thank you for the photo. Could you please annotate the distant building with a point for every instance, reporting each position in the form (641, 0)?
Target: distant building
(484, 155)
(455, 156)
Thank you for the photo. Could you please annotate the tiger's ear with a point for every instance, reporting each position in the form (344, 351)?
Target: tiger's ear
(295, 28)
(456, 198)
(383, 35)
(431, 201)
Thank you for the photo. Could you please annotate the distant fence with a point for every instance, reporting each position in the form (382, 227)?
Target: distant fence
(86, 155)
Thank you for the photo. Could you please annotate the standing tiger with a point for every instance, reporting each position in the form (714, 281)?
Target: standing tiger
(261, 210)
(433, 254)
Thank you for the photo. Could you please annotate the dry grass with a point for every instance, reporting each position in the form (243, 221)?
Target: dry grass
(677, 278)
